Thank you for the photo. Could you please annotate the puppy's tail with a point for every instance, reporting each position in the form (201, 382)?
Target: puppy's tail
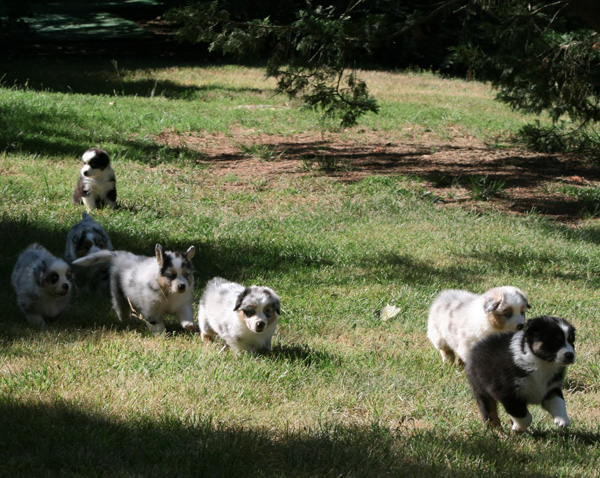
(99, 257)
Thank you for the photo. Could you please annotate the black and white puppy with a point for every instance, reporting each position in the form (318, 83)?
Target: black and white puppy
(42, 283)
(244, 317)
(96, 186)
(522, 368)
(149, 287)
(87, 237)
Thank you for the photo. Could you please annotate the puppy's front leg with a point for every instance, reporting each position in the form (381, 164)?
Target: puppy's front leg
(555, 405)
(36, 319)
(186, 318)
(156, 325)
(520, 416)
(89, 202)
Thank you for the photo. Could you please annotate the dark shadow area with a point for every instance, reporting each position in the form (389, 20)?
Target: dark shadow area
(61, 439)
(529, 263)
(105, 76)
(300, 353)
(522, 174)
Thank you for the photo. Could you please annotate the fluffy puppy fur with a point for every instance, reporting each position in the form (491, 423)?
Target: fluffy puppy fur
(522, 368)
(87, 237)
(96, 186)
(149, 287)
(244, 317)
(42, 283)
(458, 318)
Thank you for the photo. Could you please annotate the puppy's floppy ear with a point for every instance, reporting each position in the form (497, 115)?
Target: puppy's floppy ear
(159, 255)
(190, 253)
(275, 299)
(491, 303)
(522, 295)
(240, 299)
(39, 271)
(277, 305)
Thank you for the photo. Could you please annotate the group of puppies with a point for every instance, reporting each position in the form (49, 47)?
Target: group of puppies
(507, 359)
(144, 288)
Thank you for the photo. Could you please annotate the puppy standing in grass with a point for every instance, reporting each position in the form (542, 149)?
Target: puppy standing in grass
(149, 287)
(87, 237)
(458, 318)
(522, 368)
(42, 283)
(96, 186)
(244, 317)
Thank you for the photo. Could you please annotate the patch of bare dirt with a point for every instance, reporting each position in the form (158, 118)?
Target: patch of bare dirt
(531, 180)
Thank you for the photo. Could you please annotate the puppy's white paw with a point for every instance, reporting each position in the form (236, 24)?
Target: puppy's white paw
(521, 424)
(562, 421)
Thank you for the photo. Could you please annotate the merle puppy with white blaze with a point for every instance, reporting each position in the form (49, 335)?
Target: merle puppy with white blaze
(522, 368)
(458, 318)
(150, 287)
(244, 317)
(42, 283)
(96, 186)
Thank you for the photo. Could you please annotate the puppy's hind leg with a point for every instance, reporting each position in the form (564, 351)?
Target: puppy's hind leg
(121, 305)
(488, 407)
(206, 332)
(447, 355)
(111, 198)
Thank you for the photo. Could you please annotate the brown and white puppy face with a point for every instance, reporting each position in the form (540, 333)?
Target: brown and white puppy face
(95, 161)
(55, 278)
(176, 270)
(505, 308)
(258, 308)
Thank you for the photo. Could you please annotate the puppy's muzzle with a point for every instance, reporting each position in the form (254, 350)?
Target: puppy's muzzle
(260, 326)
(64, 289)
(569, 357)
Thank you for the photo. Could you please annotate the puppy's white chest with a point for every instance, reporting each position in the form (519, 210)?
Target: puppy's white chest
(536, 386)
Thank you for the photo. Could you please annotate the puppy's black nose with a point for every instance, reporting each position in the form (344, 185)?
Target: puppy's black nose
(520, 327)
(86, 173)
(181, 288)
(65, 286)
(569, 356)
(260, 326)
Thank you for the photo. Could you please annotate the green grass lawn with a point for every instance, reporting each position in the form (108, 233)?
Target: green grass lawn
(344, 392)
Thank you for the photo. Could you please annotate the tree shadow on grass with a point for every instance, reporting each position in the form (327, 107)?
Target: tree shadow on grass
(61, 438)
(302, 353)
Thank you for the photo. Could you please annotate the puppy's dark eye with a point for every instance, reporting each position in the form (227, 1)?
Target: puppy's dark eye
(249, 312)
(172, 276)
(53, 278)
